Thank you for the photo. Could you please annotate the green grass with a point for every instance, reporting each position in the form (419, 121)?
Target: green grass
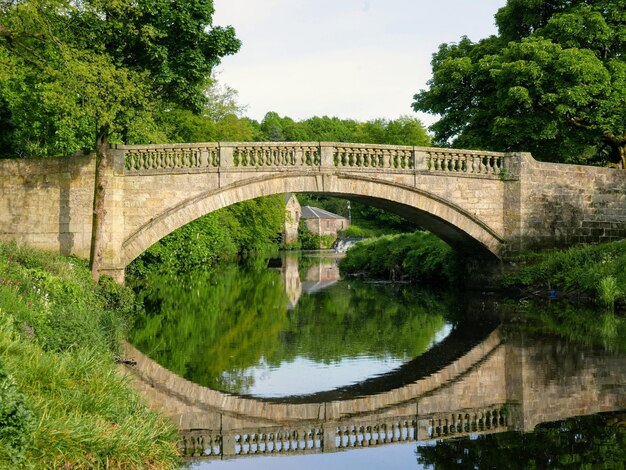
(598, 271)
(62, 396)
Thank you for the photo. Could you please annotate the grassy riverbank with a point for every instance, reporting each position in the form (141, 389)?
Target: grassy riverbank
(588, 272)
(595, 272)
(416, 257)
(63, 403)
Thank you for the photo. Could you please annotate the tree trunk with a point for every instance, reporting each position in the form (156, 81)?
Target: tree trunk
(99, 212)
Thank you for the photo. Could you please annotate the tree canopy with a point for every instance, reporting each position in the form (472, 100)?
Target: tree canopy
(552, 82)
(75, 72)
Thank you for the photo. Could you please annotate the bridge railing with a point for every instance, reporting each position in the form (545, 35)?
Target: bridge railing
(280, 156)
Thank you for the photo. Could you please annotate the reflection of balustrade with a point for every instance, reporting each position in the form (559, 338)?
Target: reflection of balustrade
(368, 435)
(281, 441)
(201, 444)
(202, 157)
(461, 424)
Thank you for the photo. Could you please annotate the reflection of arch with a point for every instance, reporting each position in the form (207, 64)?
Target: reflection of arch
(444, 218)
(459, 353)
(492, 387)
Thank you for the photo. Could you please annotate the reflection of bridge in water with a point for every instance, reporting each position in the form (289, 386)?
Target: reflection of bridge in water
(506, 382)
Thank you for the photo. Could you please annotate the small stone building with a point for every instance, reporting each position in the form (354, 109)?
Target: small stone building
(294, 212)
(321, 222)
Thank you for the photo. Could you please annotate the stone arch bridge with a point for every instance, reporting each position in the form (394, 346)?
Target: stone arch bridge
(484, 203)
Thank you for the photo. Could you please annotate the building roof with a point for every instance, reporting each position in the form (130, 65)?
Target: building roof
(310, 212)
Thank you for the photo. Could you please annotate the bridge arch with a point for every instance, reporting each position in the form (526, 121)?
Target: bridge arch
(444, 218)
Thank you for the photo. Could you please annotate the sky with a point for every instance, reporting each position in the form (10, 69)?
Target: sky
(353, 59)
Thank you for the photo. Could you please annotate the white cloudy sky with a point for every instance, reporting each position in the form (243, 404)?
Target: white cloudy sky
(359, 59)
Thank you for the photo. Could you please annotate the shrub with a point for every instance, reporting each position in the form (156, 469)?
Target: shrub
(16, 420)
(418, 256)
(597, 270)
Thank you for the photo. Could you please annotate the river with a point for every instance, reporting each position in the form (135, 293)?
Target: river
(286, 358)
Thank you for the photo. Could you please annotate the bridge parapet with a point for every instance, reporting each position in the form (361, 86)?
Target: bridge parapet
(338, 156)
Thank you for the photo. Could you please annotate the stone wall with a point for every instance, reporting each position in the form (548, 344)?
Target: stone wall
(558, 205)
(48, 203)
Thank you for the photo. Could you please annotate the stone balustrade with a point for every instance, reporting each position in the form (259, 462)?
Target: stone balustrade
(281, 156)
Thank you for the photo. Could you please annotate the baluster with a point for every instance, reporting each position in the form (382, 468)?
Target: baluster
(497, 165)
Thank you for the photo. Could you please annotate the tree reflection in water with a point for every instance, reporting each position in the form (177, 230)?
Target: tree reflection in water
(214, 329)
(597, 441)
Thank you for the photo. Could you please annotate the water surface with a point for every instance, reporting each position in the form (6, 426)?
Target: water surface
(291, 360)
(293, 330)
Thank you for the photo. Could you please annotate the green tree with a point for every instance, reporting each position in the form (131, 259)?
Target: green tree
(553, 82)
(82, 73)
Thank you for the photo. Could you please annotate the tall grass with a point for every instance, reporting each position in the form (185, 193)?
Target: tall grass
(58, 335)
(596, 270)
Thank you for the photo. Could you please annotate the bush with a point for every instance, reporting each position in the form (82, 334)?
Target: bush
(418, 256)
(597, 270)
(16, 420)
(309, 241)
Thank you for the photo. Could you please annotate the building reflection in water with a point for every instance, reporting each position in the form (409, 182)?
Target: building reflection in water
(319, 275)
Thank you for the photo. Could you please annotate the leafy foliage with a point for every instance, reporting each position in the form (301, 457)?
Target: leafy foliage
(402, 131)
(419, 256)
(577, 269)
(553, 82)
(77, 72)
(246, 227)
(16, 420)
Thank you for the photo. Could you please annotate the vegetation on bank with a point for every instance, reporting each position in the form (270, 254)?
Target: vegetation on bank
(253, 226)
(595, 271)
(63, 402)
(552, 81)
(416, 257)
(587, 272)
